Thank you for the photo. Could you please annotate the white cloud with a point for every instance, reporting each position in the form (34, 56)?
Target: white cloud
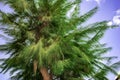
(110, 23)
(116, 20)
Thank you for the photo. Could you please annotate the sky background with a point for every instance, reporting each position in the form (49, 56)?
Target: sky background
(108, 10)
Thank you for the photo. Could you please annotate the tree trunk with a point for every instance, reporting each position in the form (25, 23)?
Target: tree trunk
(45, 74)
(35, 66)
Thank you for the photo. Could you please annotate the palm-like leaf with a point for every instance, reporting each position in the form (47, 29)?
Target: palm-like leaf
(44, 38)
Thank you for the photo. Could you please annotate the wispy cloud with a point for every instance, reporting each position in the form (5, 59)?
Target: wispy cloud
(118, 12)
(110, 23)
(116, 19)
(98, 1)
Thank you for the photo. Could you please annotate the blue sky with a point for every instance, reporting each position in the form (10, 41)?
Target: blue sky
(108, 10)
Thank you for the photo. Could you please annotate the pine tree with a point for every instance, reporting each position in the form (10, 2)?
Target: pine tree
(47, 44)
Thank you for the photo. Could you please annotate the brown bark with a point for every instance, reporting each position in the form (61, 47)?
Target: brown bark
(35, 66)
(43, 70)
(38, 30)
(45, 74)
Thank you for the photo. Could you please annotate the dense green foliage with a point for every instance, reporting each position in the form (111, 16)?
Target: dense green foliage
(41, 30)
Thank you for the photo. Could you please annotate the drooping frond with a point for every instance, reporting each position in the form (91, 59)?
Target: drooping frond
(53, 34)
